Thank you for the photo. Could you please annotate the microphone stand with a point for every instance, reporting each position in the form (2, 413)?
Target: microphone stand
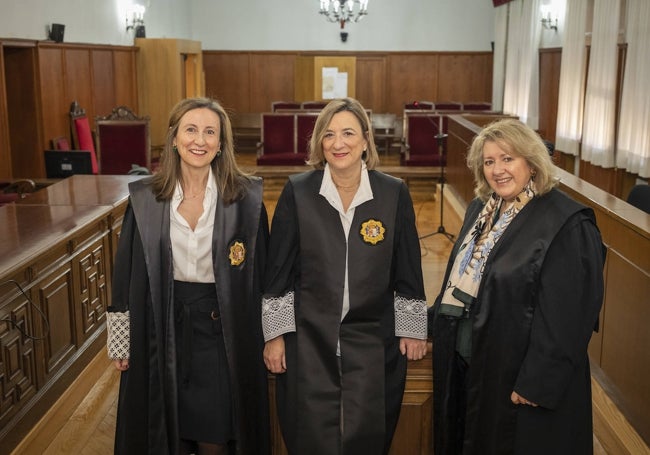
(440, 137)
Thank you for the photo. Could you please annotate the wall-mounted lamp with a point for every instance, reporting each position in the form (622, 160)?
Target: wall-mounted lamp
(549, 23)
(135, 19)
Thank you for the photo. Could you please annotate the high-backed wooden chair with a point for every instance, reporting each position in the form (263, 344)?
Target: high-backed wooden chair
(421, 147)
(278, 145)
(384, 130)
(82, 136)
(123, 140)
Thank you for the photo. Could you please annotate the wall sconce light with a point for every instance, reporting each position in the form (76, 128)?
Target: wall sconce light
(135, 18)
(548, 23)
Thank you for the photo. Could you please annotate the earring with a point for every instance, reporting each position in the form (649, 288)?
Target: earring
(174, 148)
(218, 153)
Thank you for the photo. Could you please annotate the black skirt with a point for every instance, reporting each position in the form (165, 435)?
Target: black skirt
(204, 401)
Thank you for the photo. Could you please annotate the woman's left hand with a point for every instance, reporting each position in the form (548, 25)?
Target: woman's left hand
(413, 348)
(518, 399)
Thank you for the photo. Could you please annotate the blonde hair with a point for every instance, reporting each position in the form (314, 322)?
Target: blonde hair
(518, 139)
(230, 180)
(316, 155)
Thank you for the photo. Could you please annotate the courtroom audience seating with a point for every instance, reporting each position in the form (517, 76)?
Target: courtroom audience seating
(279, 140)
(420, 147)
(275, 105)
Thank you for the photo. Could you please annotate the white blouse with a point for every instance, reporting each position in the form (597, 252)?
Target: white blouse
(192, 249)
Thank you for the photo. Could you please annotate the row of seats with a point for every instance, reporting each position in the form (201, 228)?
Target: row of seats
(448, 106)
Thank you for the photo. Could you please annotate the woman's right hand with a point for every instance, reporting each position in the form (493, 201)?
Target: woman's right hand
(274, 358)
(121, 364)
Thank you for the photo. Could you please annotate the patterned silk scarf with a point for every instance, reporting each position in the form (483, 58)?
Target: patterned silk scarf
(467, 271)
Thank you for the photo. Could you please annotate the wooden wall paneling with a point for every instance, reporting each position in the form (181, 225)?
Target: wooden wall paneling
(78, 80)
(371, 82)
(549, 91)
(411, 76)
(92, 286)
(271, 79)
(55, 102)
(56, 294)
(5, 147)
(227, 79)
(18, 364)
(22, 108)
(125, 78)
(103, 88)
(464, 77)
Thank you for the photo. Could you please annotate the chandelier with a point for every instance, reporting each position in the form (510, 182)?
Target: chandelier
(343, 11)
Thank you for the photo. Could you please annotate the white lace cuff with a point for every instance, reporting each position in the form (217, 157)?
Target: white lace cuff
(410, 318)
(118, 335)
(278, 316)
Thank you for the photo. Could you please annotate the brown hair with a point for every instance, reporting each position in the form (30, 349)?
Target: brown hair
(231, 181)
(518, 139)
(316, 156)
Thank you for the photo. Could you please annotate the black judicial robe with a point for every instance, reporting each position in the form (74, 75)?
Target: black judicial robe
(143, 284)
(307, 255)
(536, 308)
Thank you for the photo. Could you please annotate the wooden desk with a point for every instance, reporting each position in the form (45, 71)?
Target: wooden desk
(58, 245)
(109, 190)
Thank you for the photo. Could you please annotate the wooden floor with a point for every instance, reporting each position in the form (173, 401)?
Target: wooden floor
(87, 425)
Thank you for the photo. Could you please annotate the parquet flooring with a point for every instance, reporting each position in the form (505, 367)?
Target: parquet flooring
(89, 428)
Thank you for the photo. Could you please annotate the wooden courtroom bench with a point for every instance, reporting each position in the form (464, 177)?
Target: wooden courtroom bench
(57, 245)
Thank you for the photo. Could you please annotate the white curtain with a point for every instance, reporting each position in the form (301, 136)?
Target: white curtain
(521, 92)
(600, 99)
(633, 151)
(572, 79)
(499, 63)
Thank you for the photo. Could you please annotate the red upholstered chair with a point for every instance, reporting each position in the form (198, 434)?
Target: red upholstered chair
(420, 105)
(314, 105)
(477, 106)
(123, 140)
(60, 143)
(275, 105)
(304, 128)
(421, 148)
(82, 136)
(278, 145)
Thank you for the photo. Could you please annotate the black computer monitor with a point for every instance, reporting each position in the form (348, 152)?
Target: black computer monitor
(64, 163)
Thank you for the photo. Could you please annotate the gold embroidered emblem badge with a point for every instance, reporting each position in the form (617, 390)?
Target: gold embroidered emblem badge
(372, 231)
(237, 253)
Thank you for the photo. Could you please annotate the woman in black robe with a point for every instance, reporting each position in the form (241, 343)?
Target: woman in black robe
(184, 323)
(344, 305)
(520, 299)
